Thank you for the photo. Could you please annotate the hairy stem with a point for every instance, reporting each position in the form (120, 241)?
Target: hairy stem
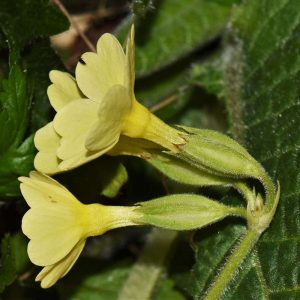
(270, 190)
(245, 191)
(231, 266)
(146, 271)
(239, 212)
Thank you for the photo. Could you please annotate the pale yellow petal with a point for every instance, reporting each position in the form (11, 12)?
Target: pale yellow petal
(130, 74)
(134, 147)
(50, 274)
(38, 193)
(55, 222)
(40, 177)
(73, 123)
(47, 162)
(80, 159)
(111, 113)
(63, 90)
(54, 228)
(97, 73)
(56, 242)
(46, 140)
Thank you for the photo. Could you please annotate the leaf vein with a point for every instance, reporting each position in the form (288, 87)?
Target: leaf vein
(261, 278)
(267, 20)
(277, 153)
(294, 289)
(283, 240)
(273, 115)
(262, 61)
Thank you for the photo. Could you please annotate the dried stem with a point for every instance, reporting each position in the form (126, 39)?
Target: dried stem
(163, 103)
(75, 25)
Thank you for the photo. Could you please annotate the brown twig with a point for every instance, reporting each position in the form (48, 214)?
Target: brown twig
(75, 25)
(163, 103)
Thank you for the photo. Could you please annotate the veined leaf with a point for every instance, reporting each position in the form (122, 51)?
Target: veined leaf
(262, 92)
(8, 271)
(104, 282)
(23, 21)
(15, 104)
(22, 25)
(14, 163)
(13, 258)
(38, 62)
(175, 28)
(16, 157)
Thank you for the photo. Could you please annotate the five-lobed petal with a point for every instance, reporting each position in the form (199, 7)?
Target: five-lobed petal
(58, 225)
(96, 109)
(53, 212)
(97, 73)
(50, 274)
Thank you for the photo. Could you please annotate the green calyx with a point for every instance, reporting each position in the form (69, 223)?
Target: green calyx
(209, 158)
(259, 216)
(181, 171)
(184, 212)
(218, 154)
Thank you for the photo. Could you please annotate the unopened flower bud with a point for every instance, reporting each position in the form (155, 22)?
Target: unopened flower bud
(219, 154)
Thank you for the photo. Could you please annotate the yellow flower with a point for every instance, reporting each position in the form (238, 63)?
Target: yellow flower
(96, 109)
(58, 225)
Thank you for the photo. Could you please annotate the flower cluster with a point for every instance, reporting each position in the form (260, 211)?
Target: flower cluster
(97, 113)
(94, 110)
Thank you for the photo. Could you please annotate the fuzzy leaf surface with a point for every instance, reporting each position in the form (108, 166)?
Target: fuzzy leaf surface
(24, 106)
(262, 94)
(38, 17)
(13, 258)
(194, 22)
(104, 283)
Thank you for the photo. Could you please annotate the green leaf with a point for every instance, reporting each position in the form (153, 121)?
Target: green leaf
(112, 186)
(7, 266)
(216, 247)
(164, 55)
(22, 25)
(13, 259)
(15, 104)
(94, 281)
(209, 75)
(165, 290)
(38, 61)
(13, 164)
(175, 28)
(103, 176)
(23, 21)
(262, 95)
(15, 156)
(166, 86)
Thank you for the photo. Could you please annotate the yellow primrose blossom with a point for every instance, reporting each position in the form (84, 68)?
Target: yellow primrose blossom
(58, 225)
(96, 109)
